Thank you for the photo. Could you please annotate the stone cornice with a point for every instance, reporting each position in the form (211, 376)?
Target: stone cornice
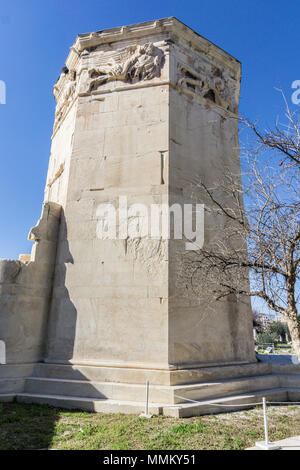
(166, 25)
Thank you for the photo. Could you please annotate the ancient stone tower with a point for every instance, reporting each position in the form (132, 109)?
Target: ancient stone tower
(85, 321)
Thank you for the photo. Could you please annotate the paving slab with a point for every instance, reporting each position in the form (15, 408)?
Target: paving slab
(291, 443)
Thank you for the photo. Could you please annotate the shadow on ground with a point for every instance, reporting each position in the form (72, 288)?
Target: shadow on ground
(25, 427)
(41, 427)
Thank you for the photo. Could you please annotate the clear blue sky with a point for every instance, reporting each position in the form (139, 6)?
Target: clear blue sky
(35, 38)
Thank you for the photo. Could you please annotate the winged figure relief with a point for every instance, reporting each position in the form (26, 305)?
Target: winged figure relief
(131, 63)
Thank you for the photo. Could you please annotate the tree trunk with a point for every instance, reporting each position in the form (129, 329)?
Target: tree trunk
(294, 330)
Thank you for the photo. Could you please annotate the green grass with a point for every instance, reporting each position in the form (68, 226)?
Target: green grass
(42, 427)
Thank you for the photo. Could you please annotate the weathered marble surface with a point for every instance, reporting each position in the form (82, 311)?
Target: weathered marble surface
(140, 110)
(25, 293)
(145, 109)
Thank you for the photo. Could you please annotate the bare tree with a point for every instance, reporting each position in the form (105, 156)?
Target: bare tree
(260, 225)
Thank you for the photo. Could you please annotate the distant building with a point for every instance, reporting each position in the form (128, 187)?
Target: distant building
(265, 319)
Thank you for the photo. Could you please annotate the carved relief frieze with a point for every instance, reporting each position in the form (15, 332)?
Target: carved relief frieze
(63, 92)
(208, 82)
(130, 64)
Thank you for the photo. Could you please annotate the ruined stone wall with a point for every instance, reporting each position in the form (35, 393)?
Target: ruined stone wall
(25, 289)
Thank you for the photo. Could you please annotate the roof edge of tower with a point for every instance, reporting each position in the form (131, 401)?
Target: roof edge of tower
(138, 30)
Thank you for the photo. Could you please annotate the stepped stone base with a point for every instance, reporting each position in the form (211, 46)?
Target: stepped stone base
(178, 393)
